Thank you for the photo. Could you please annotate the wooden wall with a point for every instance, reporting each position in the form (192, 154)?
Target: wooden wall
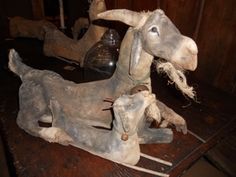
(11, 8)
(212, 24)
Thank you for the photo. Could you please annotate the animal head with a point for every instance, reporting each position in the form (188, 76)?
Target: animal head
(129, 109)
(157, 35)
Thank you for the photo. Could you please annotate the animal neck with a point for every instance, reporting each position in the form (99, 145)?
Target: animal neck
(142, 70)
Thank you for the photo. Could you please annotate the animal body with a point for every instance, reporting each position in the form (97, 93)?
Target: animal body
(151, 34)
(128, 111)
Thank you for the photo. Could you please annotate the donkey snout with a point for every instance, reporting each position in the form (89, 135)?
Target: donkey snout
(191, 46)
(193, 63)
(185, 56)
(193, 51)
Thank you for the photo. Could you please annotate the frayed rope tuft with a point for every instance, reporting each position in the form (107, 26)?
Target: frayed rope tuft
(177, 77)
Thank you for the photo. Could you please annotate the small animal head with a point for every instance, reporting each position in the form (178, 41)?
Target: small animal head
(129, 110)
(157, 35)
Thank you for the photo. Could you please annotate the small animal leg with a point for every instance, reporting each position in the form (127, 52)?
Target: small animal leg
(55, 135)
(155, 135)
(51, 134)
(31, 126)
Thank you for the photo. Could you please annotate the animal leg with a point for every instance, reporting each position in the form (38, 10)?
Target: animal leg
(31, 126)
(149, 135)
(55, 135)
(51, 134)
(34, 109)
(155, 135)
(171, 117)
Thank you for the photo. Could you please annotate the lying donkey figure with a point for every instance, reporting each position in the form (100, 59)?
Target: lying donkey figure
(151, 34)
(32, 107)
(121, 144)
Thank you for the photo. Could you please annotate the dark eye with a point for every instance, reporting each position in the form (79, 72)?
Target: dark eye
(154, 29)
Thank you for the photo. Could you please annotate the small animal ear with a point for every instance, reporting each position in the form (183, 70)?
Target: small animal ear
(135, 51)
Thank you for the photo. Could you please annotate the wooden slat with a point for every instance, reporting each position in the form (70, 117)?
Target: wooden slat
(184, 14)
(110, 4)
(223, 155)
(226, 77)
(38, 9)
(216, 41)
(144, 6)
(123, 4)
(17, 8)
(133, 5)
(3, 163)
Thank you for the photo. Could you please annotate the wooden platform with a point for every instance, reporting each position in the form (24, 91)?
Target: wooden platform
(28, 156)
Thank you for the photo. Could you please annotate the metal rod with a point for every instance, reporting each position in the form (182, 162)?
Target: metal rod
(146, 170)
(196, 136)
(61, 8)
(156, 159)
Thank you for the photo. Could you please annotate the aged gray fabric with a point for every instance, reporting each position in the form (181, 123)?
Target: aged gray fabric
(153, 33)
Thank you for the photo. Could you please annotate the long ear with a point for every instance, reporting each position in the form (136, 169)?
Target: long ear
(128, 17)
(135, 51)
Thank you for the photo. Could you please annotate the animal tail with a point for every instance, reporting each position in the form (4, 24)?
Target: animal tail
(15, 64)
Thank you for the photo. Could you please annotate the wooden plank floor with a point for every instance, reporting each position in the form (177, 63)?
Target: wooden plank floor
(223, 155)
(3, 163)
(33, 157)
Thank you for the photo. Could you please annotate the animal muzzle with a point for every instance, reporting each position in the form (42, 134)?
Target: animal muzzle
(186, 55)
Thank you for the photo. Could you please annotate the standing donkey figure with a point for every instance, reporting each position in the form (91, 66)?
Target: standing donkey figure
(150, 34)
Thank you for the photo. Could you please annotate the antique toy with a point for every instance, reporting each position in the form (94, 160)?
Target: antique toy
(121, 144)
(151, 34)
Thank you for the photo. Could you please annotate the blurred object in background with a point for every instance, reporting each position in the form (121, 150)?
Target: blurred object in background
(102, 57)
